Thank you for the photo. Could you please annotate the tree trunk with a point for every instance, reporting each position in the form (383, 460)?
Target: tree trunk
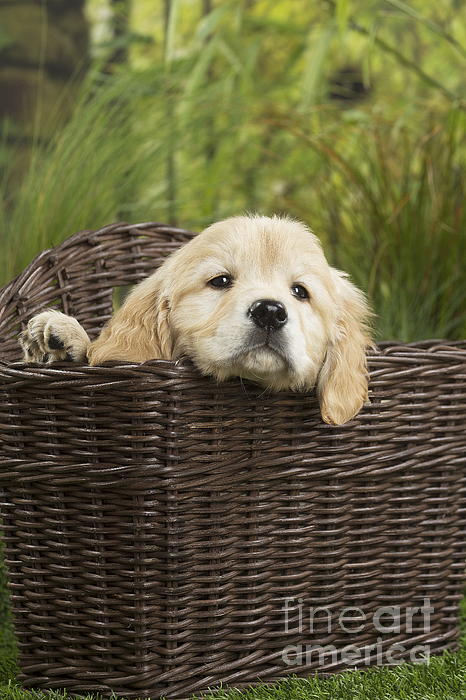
(44, 51)
(119, 26)
(170, 169)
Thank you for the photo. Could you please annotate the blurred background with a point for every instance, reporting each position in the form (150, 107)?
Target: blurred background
(348, 115)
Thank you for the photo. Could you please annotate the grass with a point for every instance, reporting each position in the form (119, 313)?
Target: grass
(87, 176)
(229, 113)
(390, 206)
(386, 198)
(443, 679)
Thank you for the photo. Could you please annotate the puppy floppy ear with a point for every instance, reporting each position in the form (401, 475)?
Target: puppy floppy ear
(343, 379)
(140, 329)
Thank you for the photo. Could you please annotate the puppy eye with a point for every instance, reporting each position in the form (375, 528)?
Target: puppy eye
(221, 282)
(299, 291)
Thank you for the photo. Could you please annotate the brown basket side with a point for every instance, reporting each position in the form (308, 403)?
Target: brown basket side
(155, 521)
(78, 277)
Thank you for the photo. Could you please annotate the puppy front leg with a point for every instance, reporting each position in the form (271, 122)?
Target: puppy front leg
(52, 336)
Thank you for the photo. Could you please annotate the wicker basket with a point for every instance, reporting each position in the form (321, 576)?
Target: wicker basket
(164, 533)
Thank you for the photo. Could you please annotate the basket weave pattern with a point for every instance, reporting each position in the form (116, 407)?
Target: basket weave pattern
(155, 522)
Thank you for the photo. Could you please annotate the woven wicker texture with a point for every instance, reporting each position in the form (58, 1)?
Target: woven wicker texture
(155, 522)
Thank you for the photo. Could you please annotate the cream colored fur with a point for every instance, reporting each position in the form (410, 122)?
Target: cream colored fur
(175, 312)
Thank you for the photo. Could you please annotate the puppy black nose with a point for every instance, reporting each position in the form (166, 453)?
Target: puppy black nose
(269, 314)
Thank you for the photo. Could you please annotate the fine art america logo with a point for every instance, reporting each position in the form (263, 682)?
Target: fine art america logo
(385, 627)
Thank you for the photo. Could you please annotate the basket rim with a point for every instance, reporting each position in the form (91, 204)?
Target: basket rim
(91, 237)
(437, 350)
(433, 352)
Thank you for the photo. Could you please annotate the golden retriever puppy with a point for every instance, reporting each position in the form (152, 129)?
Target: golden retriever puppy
(251, 297)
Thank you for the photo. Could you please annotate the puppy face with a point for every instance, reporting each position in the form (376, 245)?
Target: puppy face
(253, 300)
(254, 297)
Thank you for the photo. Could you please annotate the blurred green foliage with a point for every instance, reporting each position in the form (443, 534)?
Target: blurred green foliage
(348, 115)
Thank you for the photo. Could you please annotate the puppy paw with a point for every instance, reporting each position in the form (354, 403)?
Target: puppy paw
(52, 336)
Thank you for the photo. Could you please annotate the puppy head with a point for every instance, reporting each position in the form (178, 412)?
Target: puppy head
(253, 297)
